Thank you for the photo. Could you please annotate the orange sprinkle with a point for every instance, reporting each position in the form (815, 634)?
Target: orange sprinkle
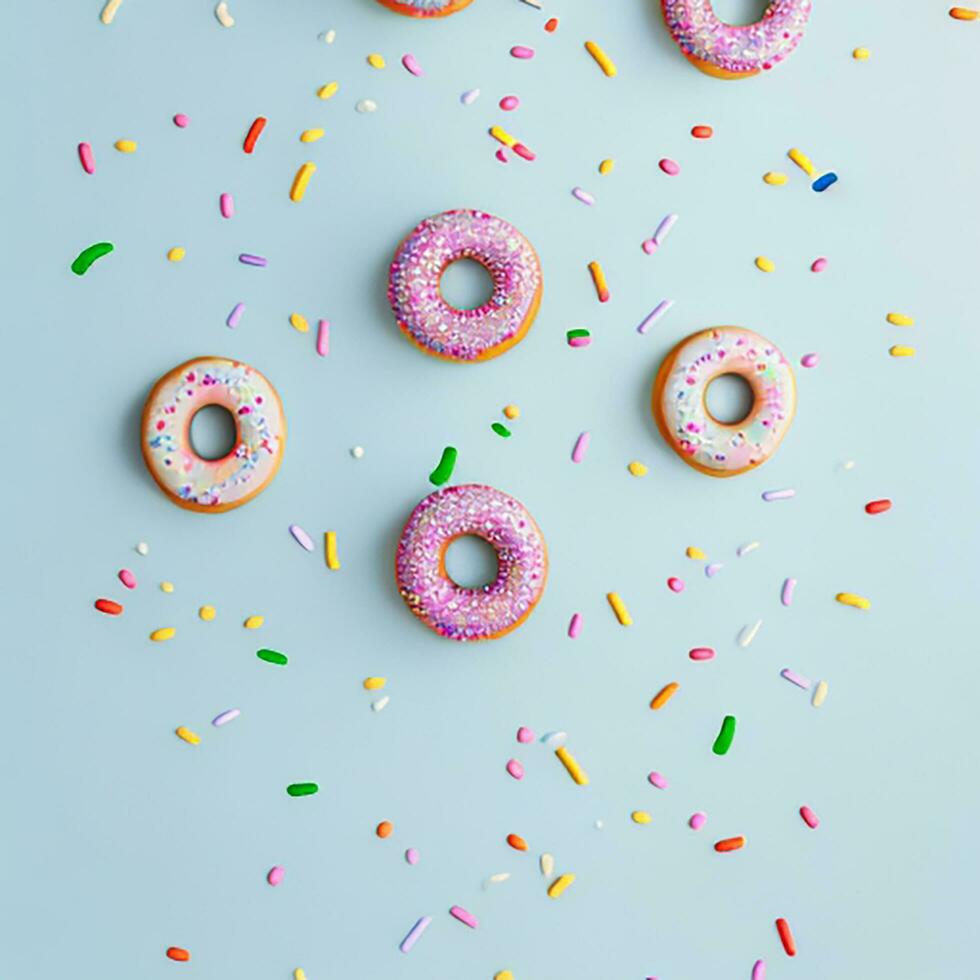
(963, 13)
(552, 24)
(664, 695)
(176, 953)
(384, 829)
(599, 280)
(702, 132)
(518, 843)
(730, 844)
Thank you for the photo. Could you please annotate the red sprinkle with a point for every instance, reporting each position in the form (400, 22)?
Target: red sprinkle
(809, 817)
(877, 506)
(178, 954)
(702, 132)
(109, 607)
(254, 132)
(786, 937)
(551, 25)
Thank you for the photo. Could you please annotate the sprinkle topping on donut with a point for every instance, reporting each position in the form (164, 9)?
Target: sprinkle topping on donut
(454, 611)
(441, 329)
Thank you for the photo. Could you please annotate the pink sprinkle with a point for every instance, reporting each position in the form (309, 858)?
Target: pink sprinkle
(786, 596)
(657, 780)
(412, 856)
(323, 337)
(181, 121)
(810, 360)
(87, 157)
(809, 817)
(675, 584)
(669, 166)
(701, 653)
(582, 195)
(411, 65)
(525, 735)
(302, 538)
(819, 265)
(520, 51)
(798, 679)
(467, 918)
(581, 447)
(698, 820)
(235, 317)
(713, 569)
(501, 154)
(579, 341)
(575, 626)
(127, 578)
(522, 151)
(509, 103)
(515, 769)
(275, 875)
(759, 970)
(649, 246)
(227, 203)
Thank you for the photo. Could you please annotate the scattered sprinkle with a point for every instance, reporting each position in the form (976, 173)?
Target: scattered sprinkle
(522, 51)
(176, 254)
(878, 506)
(654, 315)
(412, 856)
(413, 934)
(86, 157)
(641, 816)
(601, 59)
(311, 135)
(657, 779)
(330, 550)
(819, 694)
(850, 599)
(302, 789)
(810, 360)
(107, 16)
(786, 937)
(192, 738)
(764, 264)
(181, 120)
(226, 204)
(702, 132)
(515, 769)
(729, 844)
(809, 817)
(963, 13)
(470, 96)
(899, 351)
(235, 317)
(725, 736)
(798, 679)
(547, 864)
(127, 578)
(467, 918)
(802, 161)
(444, 471)
(253, 622)
(778, 494)
(759, 970)
(301, 181)
(253, 134)
(374, 683)
(713, 569)
(167, 587)
(207, 613)
(747, 549)
(224, 17)
(606, 167)
(366, 105)
(174, 952)
(599, 281)
(517, 842)
(748, 633)
(900, 320)
(619, 608)
(246, 258)
(695, 553)
(670, 167)
(584, 196)
(412, 66)
(329, 37)
(380, 704)
(323, 337)
(525, 735)
(509, 103)
(272, 657)
(818, 265)
(301, 537)
(700, 654)
(664, 695)
(125, 146)
(328, 91)
(384, 829)
(162, 634)
(786, 595)
(299, 322)
(860, 54)
(276, 873)
(559, 885)
(774, 178)
(376, 61)
(697, 820)
(500, 429)
(675, 584)
(575, 625)
(637, 468)
(512, 412)
(357, 452)
(579, 337)
(571, 764)
(142, 548)
(581, 447)
(87, 256)
(230, 715)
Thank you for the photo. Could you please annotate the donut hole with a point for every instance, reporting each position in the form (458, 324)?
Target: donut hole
(465, 284)
(739, 13)
(729, 398)
(471, 562)
(213, 432)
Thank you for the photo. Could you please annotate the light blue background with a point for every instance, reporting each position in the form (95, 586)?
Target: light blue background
(120, 840)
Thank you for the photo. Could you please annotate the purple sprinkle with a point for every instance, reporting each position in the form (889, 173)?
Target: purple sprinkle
(655, 314)
(713, 569)
(663, 229)
(302, 538)
(225, 717)
(247, 259)
(778, 494)
(810, 360)
(235, 317)
(795, 678)
(584, 196)
(786, 597)
(412, 856)
(413, 934)
(581, 447)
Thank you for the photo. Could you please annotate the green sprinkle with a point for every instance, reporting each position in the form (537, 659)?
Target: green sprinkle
(580, 332)
(272, 656)
(724, 740)
(88, 255)
(501, 430)
(302, 789)
(444, 470)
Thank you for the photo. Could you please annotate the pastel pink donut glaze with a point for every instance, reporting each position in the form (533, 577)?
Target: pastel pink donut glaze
(443, 330)
(735, 51)
(452, 610)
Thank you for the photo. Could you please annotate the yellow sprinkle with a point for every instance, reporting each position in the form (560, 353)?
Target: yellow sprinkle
(299, 973)
(503, 975)
(640, 816)
(899, 351)
(176, 254)
(207, 613)
(188, 736)
(850, 599)
(664, 695)
(601, 59)
(606, 167)
(300, 322)
(571, 764)
(166, 587)
(311, 135)
(559, 885)
(900, 320)
(374, 683)
(802, 161)
(502, 136)
(860, 54)
(330, 545)
(109, 11)
(512, 412)
(301, 180)
(164, 633)
(819, 694)
(375, 61)
(636, 468)
(696, 553)
(125, 146)
(328, 91)
(253, 622)
(775, 178)
(619, 608)
(764, 264)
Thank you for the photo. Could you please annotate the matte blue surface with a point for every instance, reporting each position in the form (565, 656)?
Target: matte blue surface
(120, 840)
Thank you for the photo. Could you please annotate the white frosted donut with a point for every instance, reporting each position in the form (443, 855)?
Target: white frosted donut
(213, 485)
(683, 417)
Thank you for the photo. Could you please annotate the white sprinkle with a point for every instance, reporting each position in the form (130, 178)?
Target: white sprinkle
(849, 465)
(654, 315)
(778, 494)
(470, 96)
(357, 452)
(366, 105)
(328, 36)
(380, 704)
(496, 879)
(747, 549)
(599, 825)
(142, 548)
(584, 196)
(230, 715)
(819, 694)
(533, 3)
(748, 633)
(302, 538)
(109, 11)
(547, 865)
(224, 17)
(554, 740)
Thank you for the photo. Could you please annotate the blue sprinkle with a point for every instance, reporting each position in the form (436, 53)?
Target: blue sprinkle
(822, 183)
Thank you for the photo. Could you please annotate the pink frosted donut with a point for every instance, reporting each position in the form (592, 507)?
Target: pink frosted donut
(522, 563)
(682, 416)
(443, 330)
(730, 51)
(425, 8)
